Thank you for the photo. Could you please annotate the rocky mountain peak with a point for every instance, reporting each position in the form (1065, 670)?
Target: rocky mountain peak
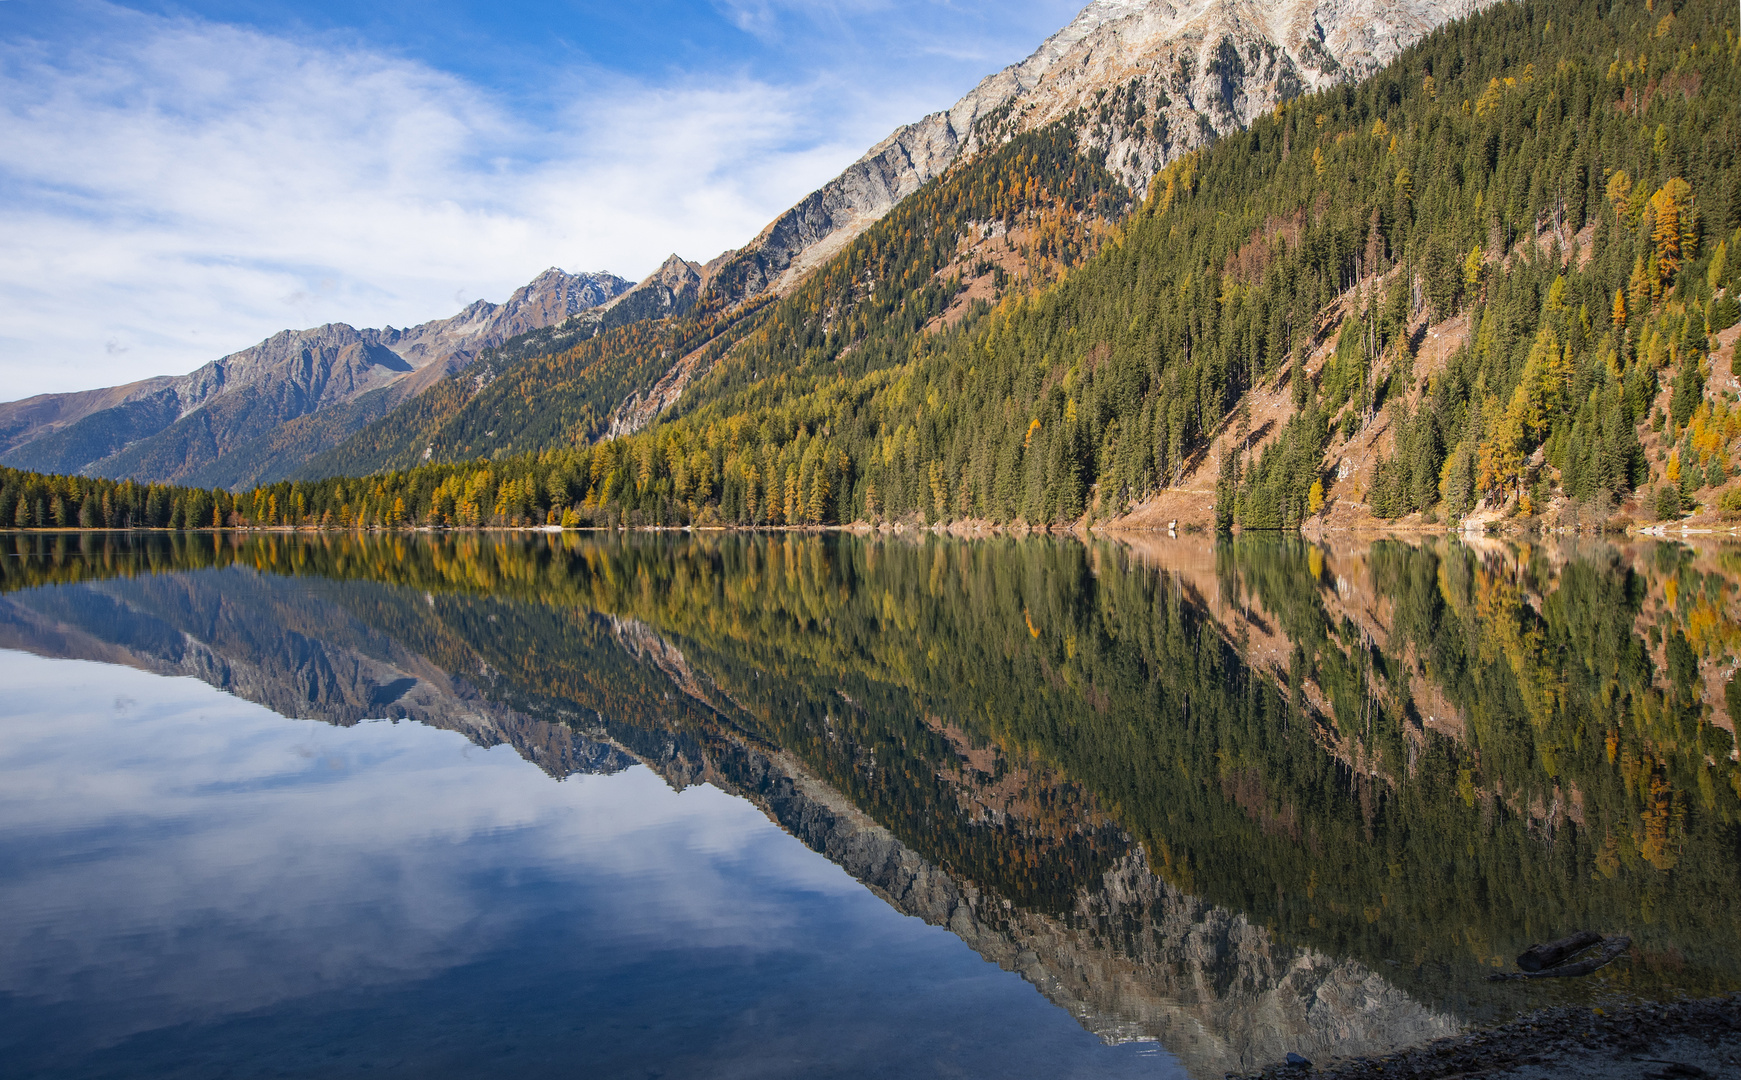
(669, 290)
(291, 374)
(676, 272)
(1143, 80)
(1193, 71)
(575, 293)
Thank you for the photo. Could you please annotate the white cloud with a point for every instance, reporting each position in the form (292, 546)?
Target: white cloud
(204, 845)
(173, 189)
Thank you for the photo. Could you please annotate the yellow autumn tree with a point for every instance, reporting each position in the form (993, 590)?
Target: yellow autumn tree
(1499, 458)
(1473, 268)
(1674, 232)
(792, 509)
(821, 490)
(1639, 287)
(1619, 188)
(1546, 373)
(1490, 97)
(1520, 428)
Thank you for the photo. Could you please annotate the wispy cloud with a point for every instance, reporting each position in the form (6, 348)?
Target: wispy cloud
(257, 879)
(766, 18)
(173, 189)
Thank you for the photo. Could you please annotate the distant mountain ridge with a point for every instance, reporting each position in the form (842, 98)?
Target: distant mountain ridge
(179, 428)
(411, 432)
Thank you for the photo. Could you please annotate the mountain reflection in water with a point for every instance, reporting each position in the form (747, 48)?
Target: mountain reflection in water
(1245, 799)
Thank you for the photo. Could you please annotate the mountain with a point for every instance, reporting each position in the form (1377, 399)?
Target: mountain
(1140, 81)
(1132, 84)
(223, 424)
(670, 291)
(465, 410)
(1491, 284)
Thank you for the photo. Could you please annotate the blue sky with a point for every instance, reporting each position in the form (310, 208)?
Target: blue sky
(179, 180)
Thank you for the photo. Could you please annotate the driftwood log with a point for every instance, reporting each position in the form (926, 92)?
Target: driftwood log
(1538, 957)
(1610, 951)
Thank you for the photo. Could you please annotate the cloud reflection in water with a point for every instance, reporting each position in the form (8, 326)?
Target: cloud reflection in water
(195, 883)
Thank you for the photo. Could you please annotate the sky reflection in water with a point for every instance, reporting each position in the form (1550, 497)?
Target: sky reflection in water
(196, 885)
(1243, 799)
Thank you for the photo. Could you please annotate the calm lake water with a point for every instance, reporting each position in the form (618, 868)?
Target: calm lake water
(730, 805)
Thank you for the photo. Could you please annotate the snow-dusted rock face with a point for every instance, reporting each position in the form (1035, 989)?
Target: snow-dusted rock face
(1152, 79)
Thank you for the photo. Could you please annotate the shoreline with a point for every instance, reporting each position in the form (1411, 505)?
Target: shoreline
(1653, 532)
(1625, 1041)
(961, 529)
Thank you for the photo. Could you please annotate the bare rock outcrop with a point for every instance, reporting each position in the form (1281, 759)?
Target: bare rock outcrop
(1141, 80)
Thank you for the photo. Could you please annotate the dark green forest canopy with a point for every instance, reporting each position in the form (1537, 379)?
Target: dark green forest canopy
(1588, 785)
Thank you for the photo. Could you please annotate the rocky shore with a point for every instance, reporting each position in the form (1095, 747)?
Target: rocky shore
(1656, 1041)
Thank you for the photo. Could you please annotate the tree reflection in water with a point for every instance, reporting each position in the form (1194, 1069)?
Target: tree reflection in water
(1247, 797)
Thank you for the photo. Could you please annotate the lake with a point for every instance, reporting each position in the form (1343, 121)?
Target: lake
(827, 805)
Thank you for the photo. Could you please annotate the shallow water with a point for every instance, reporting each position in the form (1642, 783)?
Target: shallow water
(790, 805)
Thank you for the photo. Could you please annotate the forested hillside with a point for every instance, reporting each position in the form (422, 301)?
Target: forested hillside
(1562, 176)
(875, 299)
(1496, 267)
(1461, 179)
